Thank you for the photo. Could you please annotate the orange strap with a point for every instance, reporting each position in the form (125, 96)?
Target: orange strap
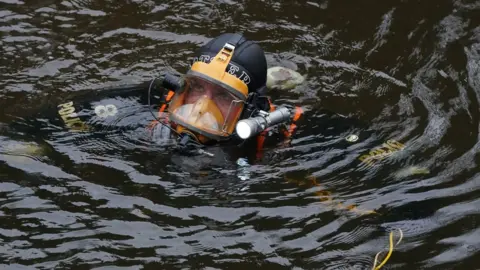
(272, 107)
(289, 132)
(298, 113)
(260, 141)
(164, 105)
(261, 137)
(153, 123)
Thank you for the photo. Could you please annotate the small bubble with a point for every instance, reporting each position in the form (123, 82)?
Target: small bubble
(352, 138)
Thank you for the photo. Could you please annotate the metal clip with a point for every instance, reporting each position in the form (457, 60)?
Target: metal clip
(229, 47)
(263, 113)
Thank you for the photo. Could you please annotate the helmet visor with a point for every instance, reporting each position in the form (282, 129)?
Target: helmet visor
(206, 107)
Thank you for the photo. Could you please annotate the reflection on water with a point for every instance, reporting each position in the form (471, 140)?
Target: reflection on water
(406, 72)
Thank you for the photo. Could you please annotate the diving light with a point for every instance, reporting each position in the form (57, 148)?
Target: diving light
(247, 128)
(244, 128)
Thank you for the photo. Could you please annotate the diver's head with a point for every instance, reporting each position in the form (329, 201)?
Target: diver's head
(216, 89)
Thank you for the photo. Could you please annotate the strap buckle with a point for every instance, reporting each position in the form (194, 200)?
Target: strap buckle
(227, 51)
(229, 47)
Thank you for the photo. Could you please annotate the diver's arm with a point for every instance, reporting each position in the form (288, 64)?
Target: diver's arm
(109, 91)
(160, 85)
(286, 130)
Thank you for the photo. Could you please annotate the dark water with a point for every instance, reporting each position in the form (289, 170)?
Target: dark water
(408, 71)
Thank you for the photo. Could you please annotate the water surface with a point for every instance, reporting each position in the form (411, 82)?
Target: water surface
(407, 71)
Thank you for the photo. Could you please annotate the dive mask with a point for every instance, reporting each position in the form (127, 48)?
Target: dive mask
(211, 100)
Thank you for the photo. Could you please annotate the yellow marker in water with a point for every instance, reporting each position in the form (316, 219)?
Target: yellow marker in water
(387, 149)
(390, 251)
(70, 117)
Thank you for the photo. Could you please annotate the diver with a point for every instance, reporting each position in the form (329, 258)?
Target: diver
(220, 109)
(223, 97)
(221, 101)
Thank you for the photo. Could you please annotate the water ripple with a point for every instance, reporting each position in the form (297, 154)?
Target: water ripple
(403, 76)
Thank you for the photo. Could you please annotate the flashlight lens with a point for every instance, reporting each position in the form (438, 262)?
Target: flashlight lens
(243, 130)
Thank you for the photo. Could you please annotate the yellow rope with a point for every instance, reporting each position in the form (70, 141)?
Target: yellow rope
(390, 250)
